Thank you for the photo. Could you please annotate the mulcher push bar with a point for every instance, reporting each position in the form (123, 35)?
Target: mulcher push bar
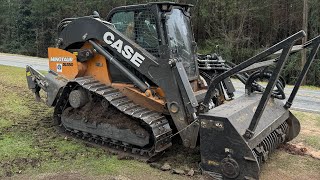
(286, 46)
(314, 44)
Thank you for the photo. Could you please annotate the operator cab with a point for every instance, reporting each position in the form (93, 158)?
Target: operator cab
(163, 29)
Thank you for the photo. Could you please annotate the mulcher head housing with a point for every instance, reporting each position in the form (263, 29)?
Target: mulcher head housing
(238, 136)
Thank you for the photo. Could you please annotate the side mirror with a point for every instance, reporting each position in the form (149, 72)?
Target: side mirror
(95, 14)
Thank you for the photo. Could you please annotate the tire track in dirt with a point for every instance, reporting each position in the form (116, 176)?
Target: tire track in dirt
(38, 119)
(301, 150)
(39, 124)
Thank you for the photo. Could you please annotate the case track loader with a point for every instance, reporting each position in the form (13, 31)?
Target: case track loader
(133, 81)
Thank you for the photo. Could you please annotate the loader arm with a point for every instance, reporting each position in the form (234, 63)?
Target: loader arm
(36, 81)
(50, 83)
(168, 74)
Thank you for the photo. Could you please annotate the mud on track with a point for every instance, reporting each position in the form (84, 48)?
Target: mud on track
(43, 136)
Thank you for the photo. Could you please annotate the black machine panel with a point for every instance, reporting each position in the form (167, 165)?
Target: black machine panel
(154, 28)
(140, 26)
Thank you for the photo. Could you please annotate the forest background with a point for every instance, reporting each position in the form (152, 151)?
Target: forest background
(241, 28)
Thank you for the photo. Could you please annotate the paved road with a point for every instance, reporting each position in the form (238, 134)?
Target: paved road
(306, 100)
(22, 61)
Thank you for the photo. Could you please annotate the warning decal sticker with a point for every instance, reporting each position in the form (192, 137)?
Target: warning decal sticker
(59, 67)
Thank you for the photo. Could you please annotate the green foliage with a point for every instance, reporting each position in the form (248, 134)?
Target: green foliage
(240, 28)
(313, 141)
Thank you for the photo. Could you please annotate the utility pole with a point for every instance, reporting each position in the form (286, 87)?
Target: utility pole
(304, 40)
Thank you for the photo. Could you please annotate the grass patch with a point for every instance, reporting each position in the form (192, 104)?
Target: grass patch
(307, 118)
(88, 162)
(5, 123)
(13, 104)
(12, 108)
(288, 86)
(310, 129)
(287, 166)
(309, 87)
(13, 76)
(63, 147)
(28, 145)
(309, 121)
(16, 145)
(95, 162)
(313, 141)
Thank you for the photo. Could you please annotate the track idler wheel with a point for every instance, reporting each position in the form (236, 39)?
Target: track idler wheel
(78, 98)
(105, 104)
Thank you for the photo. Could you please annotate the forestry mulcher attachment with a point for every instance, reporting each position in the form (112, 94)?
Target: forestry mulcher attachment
(134, 80)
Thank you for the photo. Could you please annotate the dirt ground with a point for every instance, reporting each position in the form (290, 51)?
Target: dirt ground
(30, 148)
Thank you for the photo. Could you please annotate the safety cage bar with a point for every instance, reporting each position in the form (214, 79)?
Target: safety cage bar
(286, 47)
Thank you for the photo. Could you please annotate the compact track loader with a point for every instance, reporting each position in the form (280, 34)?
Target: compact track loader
(133, 80)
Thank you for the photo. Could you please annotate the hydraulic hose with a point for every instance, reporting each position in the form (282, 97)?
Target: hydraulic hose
(252, 86)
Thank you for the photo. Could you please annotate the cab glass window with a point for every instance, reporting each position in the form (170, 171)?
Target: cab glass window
(139, 26)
